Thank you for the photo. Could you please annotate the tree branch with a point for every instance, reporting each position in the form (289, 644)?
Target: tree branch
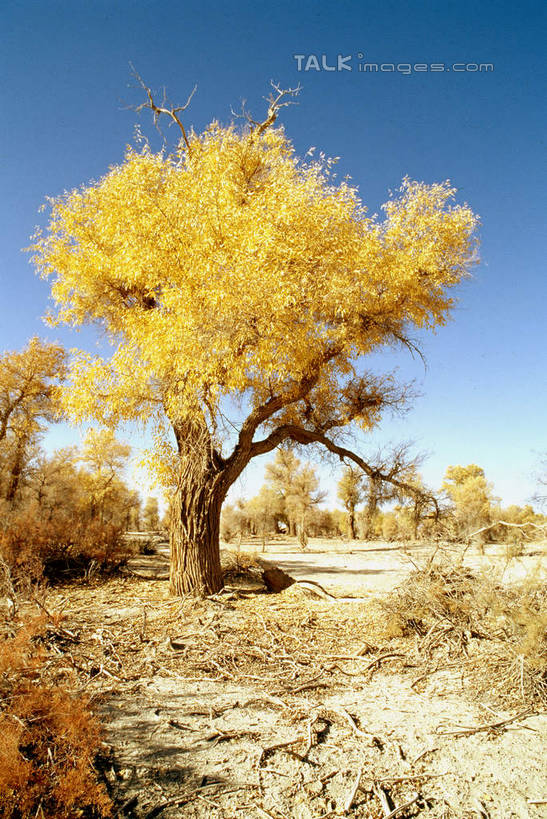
(303, 436)
(276, 102)
(541, 526)
(158, 110)
(296, 391)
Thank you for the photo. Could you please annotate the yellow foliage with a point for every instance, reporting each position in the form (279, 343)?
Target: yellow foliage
(236, 269)
(28, 386)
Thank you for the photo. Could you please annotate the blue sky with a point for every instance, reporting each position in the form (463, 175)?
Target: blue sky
(66, 85)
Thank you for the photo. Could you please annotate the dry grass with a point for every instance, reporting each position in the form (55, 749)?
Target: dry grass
(499, 633)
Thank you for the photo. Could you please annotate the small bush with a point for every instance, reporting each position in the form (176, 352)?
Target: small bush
(237, 566)
(34, 548)
(48, 739)
(448, 597)
(450, 611)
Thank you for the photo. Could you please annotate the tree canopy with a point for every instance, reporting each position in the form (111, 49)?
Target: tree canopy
(232, 273)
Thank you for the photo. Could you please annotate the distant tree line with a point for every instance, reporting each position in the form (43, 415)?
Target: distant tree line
(289, 503)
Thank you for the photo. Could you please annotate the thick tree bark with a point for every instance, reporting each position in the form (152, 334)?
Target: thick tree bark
(194, 541)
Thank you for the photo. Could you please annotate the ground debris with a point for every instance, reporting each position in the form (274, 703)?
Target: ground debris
(292, 705)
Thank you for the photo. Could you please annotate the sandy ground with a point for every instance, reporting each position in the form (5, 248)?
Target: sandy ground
(271, 706)
(378, 567)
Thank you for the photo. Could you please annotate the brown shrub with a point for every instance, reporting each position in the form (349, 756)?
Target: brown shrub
(48, 739)
(34, 548)
(446, 606)
(452, 597)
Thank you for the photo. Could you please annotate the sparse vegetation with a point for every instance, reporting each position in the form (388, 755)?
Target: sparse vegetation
(48, 738)
(500, 632)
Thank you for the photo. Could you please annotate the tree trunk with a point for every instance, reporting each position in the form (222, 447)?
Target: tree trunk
(371, 509)
(194, 540)
(16, 471)
(351, 520)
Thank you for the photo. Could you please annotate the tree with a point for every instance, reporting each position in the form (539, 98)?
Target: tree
(19, 445)
(413, 507)
(351, 493)
(471, 496)
(133, 512)
(395, 479)
(263, 511)
(235, 521)
(29, 381)
(281, 474)
(303, 497)
(105, 458)
(229, 273)
(54, 482)
(296, 487)
(151, 514)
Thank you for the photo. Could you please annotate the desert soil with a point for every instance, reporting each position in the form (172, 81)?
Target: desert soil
(262, 705)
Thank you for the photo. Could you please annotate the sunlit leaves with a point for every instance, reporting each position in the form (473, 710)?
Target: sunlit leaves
(238, 269)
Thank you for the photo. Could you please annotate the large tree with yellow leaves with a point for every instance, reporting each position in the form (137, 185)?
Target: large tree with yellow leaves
(241, 288)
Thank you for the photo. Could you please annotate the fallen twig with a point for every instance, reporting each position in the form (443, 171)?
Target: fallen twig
(381, 658)
(182, 800)
(349, 718)
(353, 792)
(402, 807)
(382, 797)
(311, 683)
(489, 726)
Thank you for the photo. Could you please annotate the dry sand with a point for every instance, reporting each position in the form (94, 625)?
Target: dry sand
(261, 734)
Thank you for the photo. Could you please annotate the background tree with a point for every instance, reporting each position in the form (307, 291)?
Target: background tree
(351, 492)
(296, 488)
(133, 518)
(281, 476)
(395, 479)
(235, 521)
(105, 458)
(151, 515)
(414, 506)
(54, 482)
(20, 445)
(303, 497)
(325, 523)
(29, 381)
(471, 496)
(264, 511)
(229, 273)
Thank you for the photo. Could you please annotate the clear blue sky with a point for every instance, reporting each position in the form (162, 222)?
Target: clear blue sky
(65, 82)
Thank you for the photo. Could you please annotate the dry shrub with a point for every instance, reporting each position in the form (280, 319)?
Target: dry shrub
(34, 548)
(450, 598)
(48, 738)
(500, 631)
(522, 666)
(240, 566)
